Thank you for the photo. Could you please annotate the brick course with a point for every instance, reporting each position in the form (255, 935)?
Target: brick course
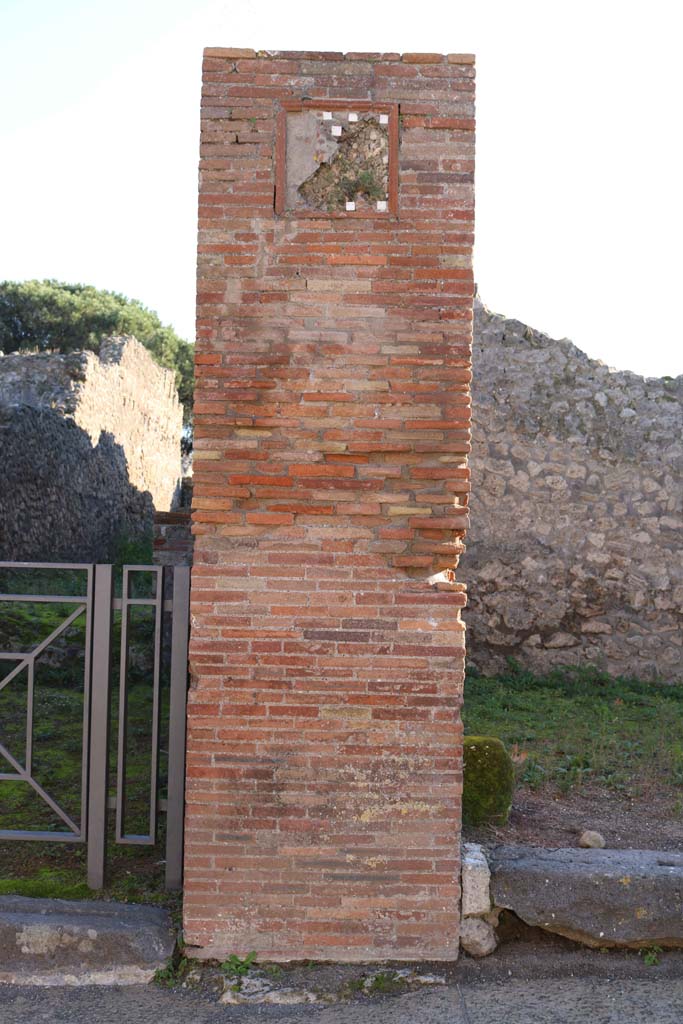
(330, 502)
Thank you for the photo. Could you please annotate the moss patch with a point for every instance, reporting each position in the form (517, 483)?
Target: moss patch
(47, 884)
(488, 781)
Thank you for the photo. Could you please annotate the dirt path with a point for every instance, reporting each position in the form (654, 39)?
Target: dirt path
(544, 817)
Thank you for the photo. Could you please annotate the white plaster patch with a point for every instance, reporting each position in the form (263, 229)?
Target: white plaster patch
(122, 975)
(381, 205)
(384, 119)
(42, 939)
(336, 129)
(353, 117)
(350, 206)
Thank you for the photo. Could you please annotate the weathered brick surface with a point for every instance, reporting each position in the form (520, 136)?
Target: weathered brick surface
(332, 429)
(173, 541)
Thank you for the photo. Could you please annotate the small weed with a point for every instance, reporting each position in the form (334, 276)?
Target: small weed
(172, 973)
(571, 771)
(273, 971)
(352, 987)
(533, 774)
(236, 967)
(380, 984)
(650, 955)
(385, 983)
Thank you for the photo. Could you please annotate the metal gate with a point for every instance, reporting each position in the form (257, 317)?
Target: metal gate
(75, 623)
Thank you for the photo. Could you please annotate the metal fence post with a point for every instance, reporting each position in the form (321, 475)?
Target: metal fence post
(100, 694)
(177, 727)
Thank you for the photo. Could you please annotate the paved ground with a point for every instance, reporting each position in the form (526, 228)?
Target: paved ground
(523, 983)
(540, 1001)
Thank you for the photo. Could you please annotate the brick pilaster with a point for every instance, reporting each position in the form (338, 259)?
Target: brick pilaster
(332, 429)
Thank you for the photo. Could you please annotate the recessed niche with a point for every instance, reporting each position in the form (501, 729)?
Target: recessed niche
(336, 162)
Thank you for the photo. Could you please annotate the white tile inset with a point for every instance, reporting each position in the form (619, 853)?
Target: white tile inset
(381, 205)
(336, 129)
(327, 115)
(353, 117)
(384, 119)
(350, 206)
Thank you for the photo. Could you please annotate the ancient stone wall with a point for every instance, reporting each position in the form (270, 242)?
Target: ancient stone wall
(63, 499)
(121, 391)
(330, 496)
(89, 445)
(575, 554)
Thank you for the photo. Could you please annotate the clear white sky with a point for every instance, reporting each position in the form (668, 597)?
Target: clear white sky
(579, 173)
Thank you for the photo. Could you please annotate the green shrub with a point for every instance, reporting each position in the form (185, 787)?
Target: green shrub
(488, 781)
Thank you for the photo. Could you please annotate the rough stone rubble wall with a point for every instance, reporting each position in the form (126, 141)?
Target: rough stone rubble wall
(575, 555)
(121, 392)
(330, 485)
(89, 445)
(61, 499)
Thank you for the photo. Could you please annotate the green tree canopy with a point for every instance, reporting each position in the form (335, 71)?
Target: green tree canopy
(50, 316)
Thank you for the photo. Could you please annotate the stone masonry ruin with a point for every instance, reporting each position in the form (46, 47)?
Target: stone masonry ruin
(90, 446)
(586, 463)
(590, 460)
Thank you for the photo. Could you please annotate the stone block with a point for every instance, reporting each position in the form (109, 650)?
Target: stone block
(81, 942)
(597, 897)
(477, 937)
(476, 878)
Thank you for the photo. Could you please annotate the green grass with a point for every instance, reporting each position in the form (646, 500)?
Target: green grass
(58, 870)
(47, 883)
(575, 726)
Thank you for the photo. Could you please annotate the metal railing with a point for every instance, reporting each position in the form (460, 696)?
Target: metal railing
(93, 611)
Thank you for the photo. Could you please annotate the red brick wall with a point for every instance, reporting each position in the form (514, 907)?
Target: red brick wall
(332, 426)
(173, 542)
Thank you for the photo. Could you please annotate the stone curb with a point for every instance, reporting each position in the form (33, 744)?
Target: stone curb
(600, 898)
(81, 942)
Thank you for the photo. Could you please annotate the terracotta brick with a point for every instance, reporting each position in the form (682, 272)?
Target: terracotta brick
(331, 479)
(423, 58)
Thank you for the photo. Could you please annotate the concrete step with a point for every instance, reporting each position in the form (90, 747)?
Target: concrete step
(81, 942)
